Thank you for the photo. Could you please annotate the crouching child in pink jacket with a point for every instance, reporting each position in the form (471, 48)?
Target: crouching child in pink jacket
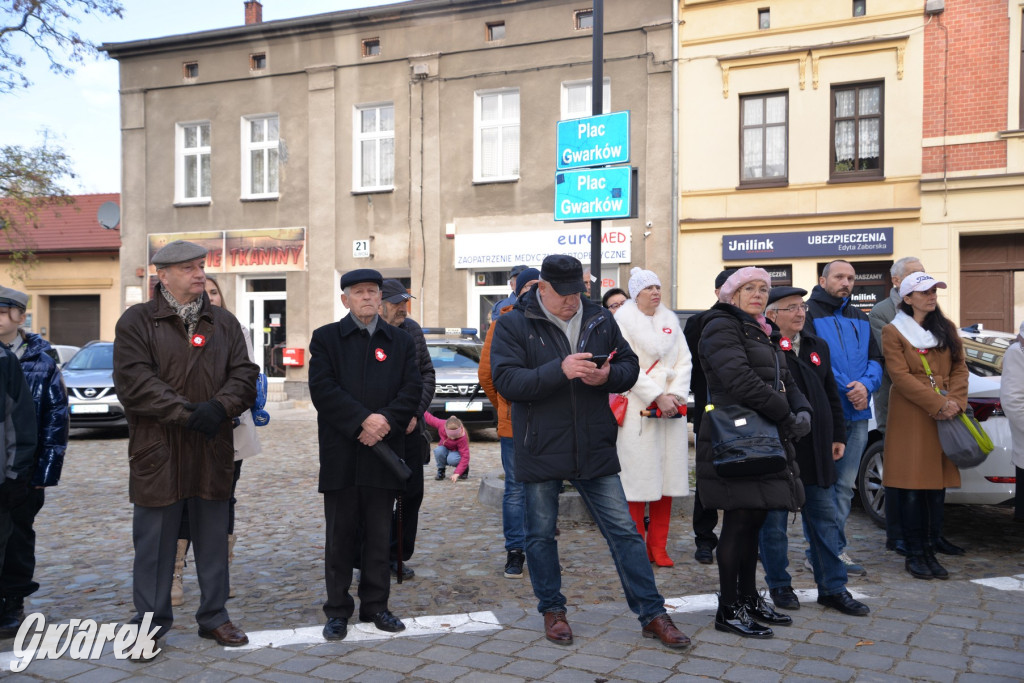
(454, 447)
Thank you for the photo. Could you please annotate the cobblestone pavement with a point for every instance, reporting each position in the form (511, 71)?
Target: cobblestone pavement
(959, 629)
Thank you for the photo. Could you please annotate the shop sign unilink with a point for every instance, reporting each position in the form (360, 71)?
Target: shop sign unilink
(838, 243)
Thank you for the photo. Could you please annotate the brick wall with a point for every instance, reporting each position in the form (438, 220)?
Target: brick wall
(974, 82)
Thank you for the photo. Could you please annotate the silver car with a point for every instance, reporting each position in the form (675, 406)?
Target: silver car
(991, 483)
(89, 379)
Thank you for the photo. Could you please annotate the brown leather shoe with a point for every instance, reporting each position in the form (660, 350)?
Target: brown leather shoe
(227, 634)
(556, 628)
(664, 630)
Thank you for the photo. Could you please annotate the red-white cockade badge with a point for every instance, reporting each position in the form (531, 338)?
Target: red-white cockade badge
(785, 344)
(380, 355)
(667, 330)
(923, 352)
(198, 340)
(815, 358)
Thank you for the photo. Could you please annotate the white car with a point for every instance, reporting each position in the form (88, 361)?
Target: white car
(991, 483)
(64, 353)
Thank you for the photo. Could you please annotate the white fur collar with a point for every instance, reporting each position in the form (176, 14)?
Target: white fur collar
(915, 334)
(647, 332)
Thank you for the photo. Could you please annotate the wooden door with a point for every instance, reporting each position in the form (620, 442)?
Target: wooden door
(987, 298)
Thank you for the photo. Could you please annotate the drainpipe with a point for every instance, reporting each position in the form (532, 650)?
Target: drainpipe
(675, 156)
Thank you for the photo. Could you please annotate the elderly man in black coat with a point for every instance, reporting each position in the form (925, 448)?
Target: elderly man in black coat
(556, 357)
(365, 385)
(808, 360)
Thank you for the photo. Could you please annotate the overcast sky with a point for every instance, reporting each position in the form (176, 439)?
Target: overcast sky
(81, 111)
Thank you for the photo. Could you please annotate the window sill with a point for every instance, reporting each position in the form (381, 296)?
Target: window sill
(838, 180)
(495, 181)
(192, 202)
(266, 198)
(763, 184)
(375, 190)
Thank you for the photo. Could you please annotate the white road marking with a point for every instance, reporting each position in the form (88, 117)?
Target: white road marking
(1003, 583)
(709, 601)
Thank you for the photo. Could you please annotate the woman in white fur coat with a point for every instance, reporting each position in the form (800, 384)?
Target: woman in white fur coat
(1011, 395)
(654, 452)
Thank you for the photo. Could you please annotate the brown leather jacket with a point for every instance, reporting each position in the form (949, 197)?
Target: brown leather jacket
(503, 407)
(157, 370)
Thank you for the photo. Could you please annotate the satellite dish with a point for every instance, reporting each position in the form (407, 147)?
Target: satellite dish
(109, 215)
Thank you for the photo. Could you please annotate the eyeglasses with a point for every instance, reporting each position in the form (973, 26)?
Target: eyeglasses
(615, 306)
(792, 309)
(752, 287)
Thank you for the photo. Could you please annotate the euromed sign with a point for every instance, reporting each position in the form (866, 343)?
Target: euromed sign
(839, 243)
(502, 250)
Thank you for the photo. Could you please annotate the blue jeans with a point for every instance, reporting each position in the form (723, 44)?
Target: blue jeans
(846, 471)
(512, 514)
(607, 505)
(446, 458)
(822, 535)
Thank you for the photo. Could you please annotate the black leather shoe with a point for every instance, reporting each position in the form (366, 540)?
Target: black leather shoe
(937, 570)
(784, 598)
(407, 571)
(918, 568)
(897, 546)
(336, 628)
(385, 621)
(845, 603)
(705, 554)
(9, 625)
(734, 619)
(946, 548)
(763, 612)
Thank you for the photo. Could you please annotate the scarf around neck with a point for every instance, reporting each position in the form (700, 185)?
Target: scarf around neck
(189, 313)
(913, 332)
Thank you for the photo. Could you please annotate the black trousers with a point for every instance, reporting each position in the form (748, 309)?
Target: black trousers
(1018, 507)
(704, 522)
(19, 561)
(358, 523)
(155, 535)
(922, 518)
(412, 498)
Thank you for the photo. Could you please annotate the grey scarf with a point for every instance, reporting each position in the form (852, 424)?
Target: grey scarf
(189, 313)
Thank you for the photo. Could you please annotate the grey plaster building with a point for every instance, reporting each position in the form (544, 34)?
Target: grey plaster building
(416, 138)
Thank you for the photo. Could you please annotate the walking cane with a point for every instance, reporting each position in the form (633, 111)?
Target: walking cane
(398, 532)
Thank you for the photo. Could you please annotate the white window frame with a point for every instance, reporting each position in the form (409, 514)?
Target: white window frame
(180, 154)
(479, 126)
(265, 147)
(377, 136)
(606, 97)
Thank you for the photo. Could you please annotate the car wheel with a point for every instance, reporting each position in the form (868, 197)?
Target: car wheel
(869, 483)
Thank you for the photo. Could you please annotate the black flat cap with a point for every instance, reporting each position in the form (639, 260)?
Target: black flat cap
(783, 291)
(394, 292)
(12, 298)
(723, 276)
(564, 273)
(178, 251)
(354, 277)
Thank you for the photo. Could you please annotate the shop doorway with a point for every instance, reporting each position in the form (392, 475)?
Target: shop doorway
(264, 312)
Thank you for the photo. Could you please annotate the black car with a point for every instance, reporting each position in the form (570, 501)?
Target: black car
(455, 353)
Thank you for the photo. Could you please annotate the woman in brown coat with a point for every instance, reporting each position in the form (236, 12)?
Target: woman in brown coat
(914, 461)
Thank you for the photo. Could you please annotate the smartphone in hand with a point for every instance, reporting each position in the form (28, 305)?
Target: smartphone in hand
(600, 359)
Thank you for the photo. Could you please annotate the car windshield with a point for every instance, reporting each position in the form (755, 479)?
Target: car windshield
(445, 356)
(985, 354)
(95, 357)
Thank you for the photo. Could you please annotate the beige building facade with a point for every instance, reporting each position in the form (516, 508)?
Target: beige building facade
(417, 139)
(800, 141)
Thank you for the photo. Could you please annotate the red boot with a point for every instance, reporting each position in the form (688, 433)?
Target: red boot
(657, 532)
(636, 511)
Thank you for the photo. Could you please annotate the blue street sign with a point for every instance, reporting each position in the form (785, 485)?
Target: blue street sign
(594, 194)
(593, 141)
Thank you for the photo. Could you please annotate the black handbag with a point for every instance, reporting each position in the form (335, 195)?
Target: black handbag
(744, 443)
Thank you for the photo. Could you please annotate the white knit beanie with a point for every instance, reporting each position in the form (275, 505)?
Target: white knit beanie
(640, 279)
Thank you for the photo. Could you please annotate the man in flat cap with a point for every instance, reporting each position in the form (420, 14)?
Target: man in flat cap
(365, 383)
(394, 311)
(556, 357)
(182, 372)
(50, 400)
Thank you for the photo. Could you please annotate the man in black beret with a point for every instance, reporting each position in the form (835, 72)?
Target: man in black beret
(365, 383)
(809, 362)
(182, 372)
(704, 519)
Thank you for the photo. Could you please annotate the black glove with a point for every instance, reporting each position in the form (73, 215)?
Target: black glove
(13, 492)
(797, 426)
(206, 417)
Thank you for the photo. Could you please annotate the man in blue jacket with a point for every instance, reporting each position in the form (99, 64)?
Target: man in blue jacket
(857, 366)
(556, 357)
(46, 386)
